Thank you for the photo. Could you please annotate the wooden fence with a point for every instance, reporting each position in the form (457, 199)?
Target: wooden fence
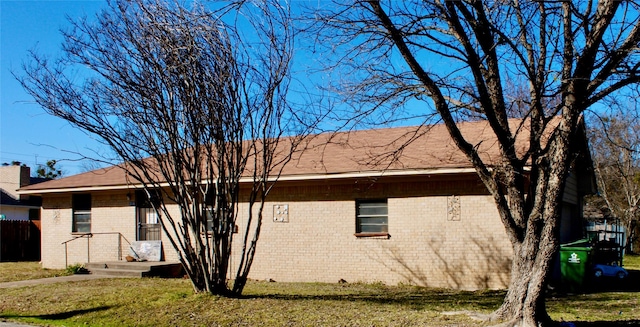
(19, 240)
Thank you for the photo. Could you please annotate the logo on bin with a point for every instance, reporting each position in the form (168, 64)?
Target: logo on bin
(574, 258)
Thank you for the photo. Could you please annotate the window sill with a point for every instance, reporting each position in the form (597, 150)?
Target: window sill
(375, 235)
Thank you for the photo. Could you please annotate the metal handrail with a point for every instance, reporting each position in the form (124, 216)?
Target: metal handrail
(89, 236)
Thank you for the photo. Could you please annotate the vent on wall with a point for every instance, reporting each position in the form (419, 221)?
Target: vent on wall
(453, 208)
(281, 213)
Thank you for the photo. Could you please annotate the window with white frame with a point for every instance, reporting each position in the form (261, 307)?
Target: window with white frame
(372, 217)
(81, 204)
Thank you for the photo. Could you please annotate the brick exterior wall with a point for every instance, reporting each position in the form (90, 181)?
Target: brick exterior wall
(113, 226)
(444, 232)
(110, 215)
(56, 228)
(424, 248)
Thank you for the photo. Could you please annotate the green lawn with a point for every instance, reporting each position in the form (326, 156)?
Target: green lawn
(171, 302)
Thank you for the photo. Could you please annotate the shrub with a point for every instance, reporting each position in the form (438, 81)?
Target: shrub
(76, 269)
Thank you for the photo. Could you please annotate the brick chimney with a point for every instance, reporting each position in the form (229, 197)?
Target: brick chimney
(12, 178)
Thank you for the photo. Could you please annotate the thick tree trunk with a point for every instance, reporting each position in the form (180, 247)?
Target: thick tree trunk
(535, 247)
(524, 303)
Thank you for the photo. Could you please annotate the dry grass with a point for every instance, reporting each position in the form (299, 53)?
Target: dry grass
(631, 262)
(14, 271)
(171, 302)
(158, 302)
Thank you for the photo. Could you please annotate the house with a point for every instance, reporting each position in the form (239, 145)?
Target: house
(19, 215)
(14, 206)
(601, 225)
(351, 206)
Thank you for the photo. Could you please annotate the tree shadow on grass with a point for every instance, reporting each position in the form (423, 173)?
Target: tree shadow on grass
(59, 315)
(593, 285)
(416, 298)
(612, 284)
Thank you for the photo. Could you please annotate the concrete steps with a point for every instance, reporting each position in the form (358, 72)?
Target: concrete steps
(135, 269)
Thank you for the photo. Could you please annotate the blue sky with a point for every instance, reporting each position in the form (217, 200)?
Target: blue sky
(27, 133)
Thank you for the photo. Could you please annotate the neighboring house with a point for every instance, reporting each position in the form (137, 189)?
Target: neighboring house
(350, 206)
(14, 206)
(602, 226)
(607, 230)
(19, 216)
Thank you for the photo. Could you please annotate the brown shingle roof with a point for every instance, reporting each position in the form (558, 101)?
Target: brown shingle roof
(110, 176)
(366, 151)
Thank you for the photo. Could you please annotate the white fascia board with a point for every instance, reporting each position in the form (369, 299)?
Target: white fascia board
(383, 173)
(366, 174)
(72, 189)
(85, 189)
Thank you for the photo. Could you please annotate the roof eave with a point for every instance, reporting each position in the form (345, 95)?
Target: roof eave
(301, 177)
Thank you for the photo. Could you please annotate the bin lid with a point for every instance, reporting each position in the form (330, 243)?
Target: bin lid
(583, 244)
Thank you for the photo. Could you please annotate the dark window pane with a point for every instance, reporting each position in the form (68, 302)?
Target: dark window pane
(373, 221)
(34, 214)
(209, 213)
(83, 228)
(143, 201)
(82, 223)
(81, 202)
(81, 213)
(373, 228)
(372, 217)
(210, 197)
(370, 209)
(83, 217)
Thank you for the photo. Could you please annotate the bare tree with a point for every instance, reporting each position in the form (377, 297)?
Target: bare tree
(194, 108)
(456, 59)
(615, 142)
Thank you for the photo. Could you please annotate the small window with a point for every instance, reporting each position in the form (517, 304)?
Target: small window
(209, 213)
(372, 217)
(81, 213)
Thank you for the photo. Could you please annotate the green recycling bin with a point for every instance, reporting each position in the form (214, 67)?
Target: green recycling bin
(574, 264)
